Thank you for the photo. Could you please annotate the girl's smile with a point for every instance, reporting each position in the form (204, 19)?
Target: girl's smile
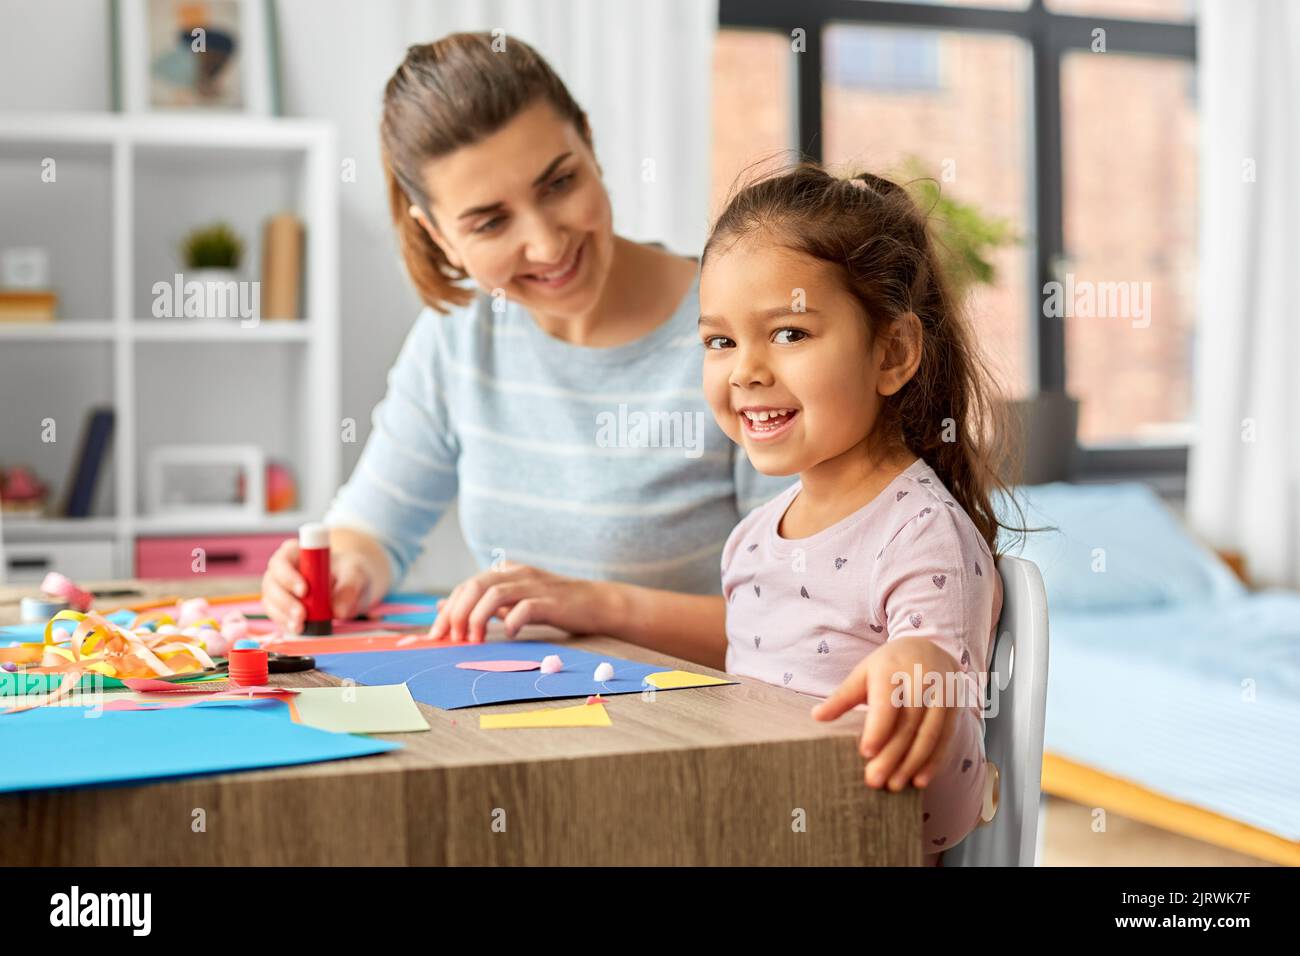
(765, 423)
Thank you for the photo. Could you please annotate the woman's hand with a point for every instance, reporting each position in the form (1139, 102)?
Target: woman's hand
(354, 584)
(904, 742)
(522, 595)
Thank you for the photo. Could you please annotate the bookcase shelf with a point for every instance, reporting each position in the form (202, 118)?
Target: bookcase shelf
(66, 330)
(127, 189)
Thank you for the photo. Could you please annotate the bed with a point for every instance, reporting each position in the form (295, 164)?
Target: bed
(1174, 691)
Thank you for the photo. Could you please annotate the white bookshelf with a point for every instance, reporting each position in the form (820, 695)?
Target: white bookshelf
(127, 189)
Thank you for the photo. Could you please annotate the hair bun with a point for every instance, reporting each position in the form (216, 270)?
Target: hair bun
(877, 184)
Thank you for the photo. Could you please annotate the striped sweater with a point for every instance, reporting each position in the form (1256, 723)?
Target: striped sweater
(599, 463)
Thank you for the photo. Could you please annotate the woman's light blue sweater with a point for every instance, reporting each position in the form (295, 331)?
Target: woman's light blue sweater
(601, 463)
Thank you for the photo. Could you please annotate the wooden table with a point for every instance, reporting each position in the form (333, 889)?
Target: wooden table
(726, 775)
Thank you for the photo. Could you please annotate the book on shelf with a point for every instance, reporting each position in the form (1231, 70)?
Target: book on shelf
(89, 464)
(282, 251)
(27, 305)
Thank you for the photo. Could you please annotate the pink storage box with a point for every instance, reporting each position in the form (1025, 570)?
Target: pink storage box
(237, 555)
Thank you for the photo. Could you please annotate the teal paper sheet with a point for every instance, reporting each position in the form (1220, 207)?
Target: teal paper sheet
(62, 746)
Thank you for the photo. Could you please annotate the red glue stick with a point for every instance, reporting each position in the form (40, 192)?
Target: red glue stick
(314, 566)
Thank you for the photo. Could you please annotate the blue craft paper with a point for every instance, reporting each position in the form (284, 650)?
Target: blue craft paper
(62, 746)
(433, 677)
(419, 619)
(413, 597)
(424, 620)
(34, 633)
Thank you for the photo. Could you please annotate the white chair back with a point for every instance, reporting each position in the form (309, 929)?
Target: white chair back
(1013, 723)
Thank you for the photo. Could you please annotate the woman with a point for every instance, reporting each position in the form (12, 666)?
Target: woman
(560, 400)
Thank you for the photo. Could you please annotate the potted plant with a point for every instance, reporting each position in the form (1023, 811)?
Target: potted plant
(966, 235)
(212, 255)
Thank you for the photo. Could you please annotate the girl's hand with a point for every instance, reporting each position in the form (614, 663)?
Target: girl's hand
(522, 595)
(352, 586)
(905, 742)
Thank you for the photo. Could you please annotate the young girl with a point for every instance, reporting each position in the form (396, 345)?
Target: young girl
(834, 350)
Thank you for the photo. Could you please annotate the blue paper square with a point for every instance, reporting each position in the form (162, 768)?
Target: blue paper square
(433, 677)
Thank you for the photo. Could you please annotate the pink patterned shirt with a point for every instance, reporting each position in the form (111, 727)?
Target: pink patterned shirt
(802, 613)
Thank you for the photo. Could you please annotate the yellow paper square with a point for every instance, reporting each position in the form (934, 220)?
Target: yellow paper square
(667, 680)
(583, 715)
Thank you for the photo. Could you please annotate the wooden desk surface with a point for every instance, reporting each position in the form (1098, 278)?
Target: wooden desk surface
(730, 775)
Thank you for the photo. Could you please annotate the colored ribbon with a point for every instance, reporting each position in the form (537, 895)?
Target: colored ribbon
(98, 646)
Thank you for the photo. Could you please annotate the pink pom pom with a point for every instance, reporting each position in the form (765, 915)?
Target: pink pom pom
(195, 609)
(234, 627)
(551, 664)
(216, 643)
(57, 585)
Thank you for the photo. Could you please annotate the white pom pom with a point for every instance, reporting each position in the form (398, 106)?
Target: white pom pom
(604, 672)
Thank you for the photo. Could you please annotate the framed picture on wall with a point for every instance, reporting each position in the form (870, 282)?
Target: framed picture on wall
(194, 56)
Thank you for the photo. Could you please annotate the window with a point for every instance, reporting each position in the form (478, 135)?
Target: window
(860, 58)
(969, 134)
(753, 106)
(1074, 120)
(1128, 9)
(1129, 165)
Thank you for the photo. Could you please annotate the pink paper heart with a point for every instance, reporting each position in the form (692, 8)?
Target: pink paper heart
(499, 666)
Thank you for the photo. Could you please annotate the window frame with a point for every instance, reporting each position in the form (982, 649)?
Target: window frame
(1048, 36)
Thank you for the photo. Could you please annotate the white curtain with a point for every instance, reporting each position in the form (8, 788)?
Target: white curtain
(1244, 475)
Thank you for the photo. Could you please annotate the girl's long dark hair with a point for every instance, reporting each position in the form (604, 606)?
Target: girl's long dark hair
(951, 413)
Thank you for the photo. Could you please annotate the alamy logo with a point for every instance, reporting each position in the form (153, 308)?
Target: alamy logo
(102, 909)
(207, 299)
(651, 430)
(1085, 299)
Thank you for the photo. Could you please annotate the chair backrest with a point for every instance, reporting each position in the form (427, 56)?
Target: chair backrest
(1013, 724)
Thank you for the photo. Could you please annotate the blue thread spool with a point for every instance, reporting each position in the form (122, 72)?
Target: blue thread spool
(41, 609)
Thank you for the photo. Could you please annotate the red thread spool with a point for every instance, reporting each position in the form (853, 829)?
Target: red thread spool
(314, 566)
(248, 667)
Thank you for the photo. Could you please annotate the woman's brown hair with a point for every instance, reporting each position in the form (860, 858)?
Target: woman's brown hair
(447, 94)
(950, 412)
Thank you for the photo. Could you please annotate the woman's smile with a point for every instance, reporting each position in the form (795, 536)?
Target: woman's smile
(561, 276)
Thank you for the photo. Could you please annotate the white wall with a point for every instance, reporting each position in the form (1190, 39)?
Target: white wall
(335, 57)
(55, 55)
